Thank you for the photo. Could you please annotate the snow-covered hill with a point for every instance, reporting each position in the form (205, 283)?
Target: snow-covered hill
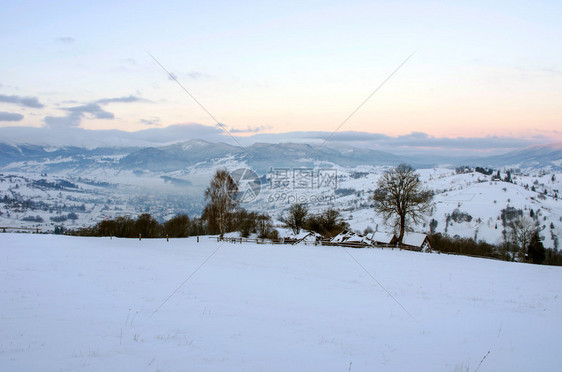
(75, 187)
(91, 304)
(466, 204)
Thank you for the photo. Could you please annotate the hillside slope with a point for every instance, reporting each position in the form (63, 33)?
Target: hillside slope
(90, 304)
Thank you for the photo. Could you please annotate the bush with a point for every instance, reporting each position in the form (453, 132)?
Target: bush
(485, 171)
(58, 219)
(466, 246)
(510, 213)
(178, 226)
(459, 216)
(37, 218)
(345, 192)
(328, 224)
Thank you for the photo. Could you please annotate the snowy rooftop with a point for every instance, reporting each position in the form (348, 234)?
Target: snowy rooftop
(413, 239)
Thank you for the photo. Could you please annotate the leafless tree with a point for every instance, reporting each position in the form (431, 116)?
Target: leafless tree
(297, 217)
(222, 201)
(401, 198)
(521, 230)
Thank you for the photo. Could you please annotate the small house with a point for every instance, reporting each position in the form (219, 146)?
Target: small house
(416, 241)
(382, 238)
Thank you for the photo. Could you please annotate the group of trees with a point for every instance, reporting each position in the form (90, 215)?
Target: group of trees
(328, 223)
(506, 250)
(146, 226)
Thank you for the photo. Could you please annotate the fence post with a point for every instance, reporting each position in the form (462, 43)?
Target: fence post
(197, 238)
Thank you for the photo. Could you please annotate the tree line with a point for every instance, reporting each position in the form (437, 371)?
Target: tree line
(509, 250)
(179, 226)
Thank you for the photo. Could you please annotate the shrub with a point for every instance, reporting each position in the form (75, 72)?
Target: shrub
(37, 218)
(459, 216)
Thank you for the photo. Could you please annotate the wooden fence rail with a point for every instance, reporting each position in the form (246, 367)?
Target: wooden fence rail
(4, 228)
(305, 242)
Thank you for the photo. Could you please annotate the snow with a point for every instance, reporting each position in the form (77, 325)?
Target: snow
(413, 239)
(382, 237)
(90, 304)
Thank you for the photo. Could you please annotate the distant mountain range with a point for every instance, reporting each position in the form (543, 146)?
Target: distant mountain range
(260, 156)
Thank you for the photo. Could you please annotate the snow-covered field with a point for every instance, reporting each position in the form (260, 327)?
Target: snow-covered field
(91, 304)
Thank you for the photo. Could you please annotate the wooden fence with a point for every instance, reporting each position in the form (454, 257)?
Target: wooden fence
(32, 229)
(308, 242)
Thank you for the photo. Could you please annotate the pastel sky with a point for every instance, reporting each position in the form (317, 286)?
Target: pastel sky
(480, 68)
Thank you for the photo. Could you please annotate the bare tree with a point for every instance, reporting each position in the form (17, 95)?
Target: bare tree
(400, 198)
(521, 230)
(297, 217)
(222, 201)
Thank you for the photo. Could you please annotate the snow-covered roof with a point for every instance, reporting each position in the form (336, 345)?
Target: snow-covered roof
(342, 237)
(351, 237)
(303, 236)
(288, 233)
(308, 236)
(413, 239)
(382, 237)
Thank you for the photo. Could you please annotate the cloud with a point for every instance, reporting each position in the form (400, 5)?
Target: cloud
(75, 114)
(251, 129)
(32, 102)
(127, 99)
(8, 116)
(179, 132)
(66, 40)
(418, 144)
(420, 140)
(346, 136)
(64, 131)
(412, 143)
(91, 108)
(151, 122)
(72, 120)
